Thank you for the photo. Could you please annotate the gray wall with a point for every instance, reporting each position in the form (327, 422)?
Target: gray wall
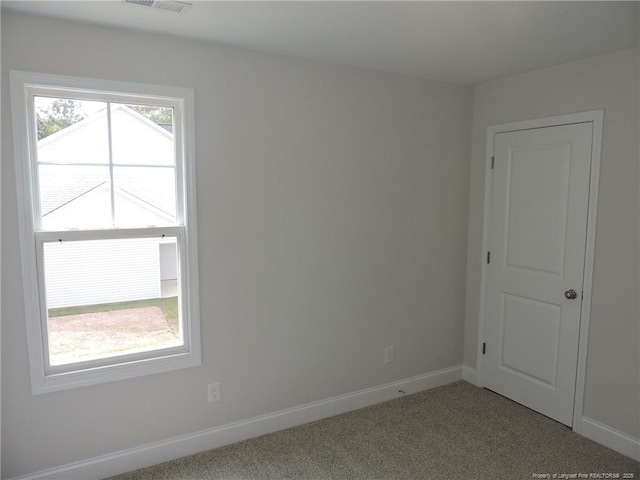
(608, 82)
(332, 222)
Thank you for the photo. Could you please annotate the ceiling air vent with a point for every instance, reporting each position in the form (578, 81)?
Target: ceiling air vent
(173, 6)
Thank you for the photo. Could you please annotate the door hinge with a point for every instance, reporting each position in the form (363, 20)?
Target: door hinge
(488, 257)
(493, 162)
(484, 348)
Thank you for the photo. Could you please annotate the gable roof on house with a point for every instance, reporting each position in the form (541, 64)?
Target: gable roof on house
(74, 171)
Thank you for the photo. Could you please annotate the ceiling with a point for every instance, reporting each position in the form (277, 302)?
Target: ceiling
(460, 42)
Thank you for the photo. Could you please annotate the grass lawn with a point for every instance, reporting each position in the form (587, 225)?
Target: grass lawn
(169, 307)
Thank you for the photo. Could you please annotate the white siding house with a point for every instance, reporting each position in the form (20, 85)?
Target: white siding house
(100, 278)
(95, 272)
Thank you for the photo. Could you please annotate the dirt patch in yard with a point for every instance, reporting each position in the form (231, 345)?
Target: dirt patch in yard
(87, 336)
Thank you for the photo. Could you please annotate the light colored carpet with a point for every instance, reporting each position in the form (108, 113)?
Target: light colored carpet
(453, 432)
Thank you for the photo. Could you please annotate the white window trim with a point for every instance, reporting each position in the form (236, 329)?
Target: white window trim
(24, 151)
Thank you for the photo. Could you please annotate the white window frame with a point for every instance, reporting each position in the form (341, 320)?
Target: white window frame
(46, 378)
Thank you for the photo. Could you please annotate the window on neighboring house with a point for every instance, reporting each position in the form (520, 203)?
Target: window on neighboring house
(106, 191)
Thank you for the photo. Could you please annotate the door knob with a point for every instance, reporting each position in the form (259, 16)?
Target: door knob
(571, 294)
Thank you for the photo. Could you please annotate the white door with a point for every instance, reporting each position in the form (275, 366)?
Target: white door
(535, 263)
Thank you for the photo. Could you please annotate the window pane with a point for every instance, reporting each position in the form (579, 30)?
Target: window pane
(111, 297)
(142, 135)
(144, 196)
(73, 196)
(71, 131)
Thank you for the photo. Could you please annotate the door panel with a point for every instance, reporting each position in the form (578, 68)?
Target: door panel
(538, 323)
(537, 243)
(537, 216)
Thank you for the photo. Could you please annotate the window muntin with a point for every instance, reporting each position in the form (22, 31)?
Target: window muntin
(93, 194)
(139, 186)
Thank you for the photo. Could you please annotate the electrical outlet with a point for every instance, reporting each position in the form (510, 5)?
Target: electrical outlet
(388, 354)
(213, 392)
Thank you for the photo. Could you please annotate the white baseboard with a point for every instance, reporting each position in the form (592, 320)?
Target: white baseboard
(610, 437)
(470, 375)
(170, 449)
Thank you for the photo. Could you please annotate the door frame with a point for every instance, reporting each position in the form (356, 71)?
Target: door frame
(596, 117)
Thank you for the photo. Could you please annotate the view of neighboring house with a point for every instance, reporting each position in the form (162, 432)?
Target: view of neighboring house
(75, 183)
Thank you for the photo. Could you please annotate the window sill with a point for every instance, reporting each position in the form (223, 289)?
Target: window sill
(121, 371)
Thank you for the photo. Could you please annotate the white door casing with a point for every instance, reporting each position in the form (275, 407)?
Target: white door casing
(539, 233)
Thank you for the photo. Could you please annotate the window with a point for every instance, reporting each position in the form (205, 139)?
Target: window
(106, 192)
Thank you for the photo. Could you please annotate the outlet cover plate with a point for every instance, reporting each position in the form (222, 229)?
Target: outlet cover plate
(213, 392)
